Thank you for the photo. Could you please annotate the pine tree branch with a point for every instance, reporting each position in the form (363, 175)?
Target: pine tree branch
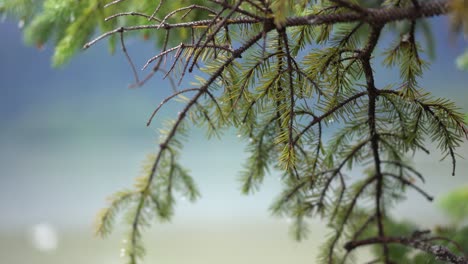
(440, 252)
(281, 91)
(450, 241)
(189, 8)
(403, 165)
(167, 99)
(365, 57)
(328, 113)
(291, 89)
(358, 233)
(127, 56)
(427, 108)
(132, 13)
(135, 232)
(156, 67)
(374, 16)
(338, 169)
(409, 183)
(348, 212)
(350, 5)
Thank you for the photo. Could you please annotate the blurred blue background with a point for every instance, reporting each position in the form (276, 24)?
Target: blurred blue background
(70, 137)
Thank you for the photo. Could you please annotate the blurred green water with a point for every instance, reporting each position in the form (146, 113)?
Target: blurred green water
(177, 243)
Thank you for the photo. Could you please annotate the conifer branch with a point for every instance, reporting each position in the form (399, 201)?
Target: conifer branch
(374, 16)
(157, 66)
(167, 99)
(259, 97)
(350, 5)
(328, 113)
(129, 59)
(347, 215)
(358, 147)
(409, 183)
(440, 252)
(133, 13)
(164, 146)
(403, 165)
(372, 94)
(378, 16)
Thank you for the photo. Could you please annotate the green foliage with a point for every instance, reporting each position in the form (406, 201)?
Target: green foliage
(75, 35)
(460, 23)
(454, 237)
(21, 9)
(67, 25)
(459, 15)
(454, 204)
(153, 197)
(408, 256)
(282, 73)
(462, 61)
(405, 54)
(106, 216)
(401, 253)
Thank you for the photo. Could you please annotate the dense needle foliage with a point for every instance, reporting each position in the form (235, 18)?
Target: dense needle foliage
(281, 72)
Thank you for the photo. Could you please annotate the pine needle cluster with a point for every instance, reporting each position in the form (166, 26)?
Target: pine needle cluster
(281, 72)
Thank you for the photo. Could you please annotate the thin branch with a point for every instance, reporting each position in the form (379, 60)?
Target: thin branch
(129, 59)
(190, 8)
(113, 3)
(291, 90)
(440, 252)
(401, 164)
(156, 10)
(357, 234)
(375, 16)
(347, 215)
(450, 241)
(211, 36)
(403, 138)
(225, 4)
(130, 14)
(183, 46)
(192, 24)
(427, 108)
(409, 183)
(336, 171)
(167, 99)
(365, 57)
(157, 67)
(328, 113)
(351, 6)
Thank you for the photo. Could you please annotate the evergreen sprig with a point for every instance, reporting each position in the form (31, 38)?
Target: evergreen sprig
(281, 72)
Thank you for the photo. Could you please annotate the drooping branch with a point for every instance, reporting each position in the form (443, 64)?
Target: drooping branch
(271, 107)
(167, 99)
(135, 231)
(372, 94)
(348, 211)
(329, 113)
(409, 183)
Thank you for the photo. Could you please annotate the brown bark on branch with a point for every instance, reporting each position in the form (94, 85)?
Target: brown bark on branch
(440, 252)
(375, 16)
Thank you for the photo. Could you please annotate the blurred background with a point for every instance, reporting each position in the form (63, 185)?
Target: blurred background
(70, 137)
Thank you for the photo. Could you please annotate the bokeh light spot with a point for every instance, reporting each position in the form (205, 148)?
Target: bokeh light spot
(44, 237)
